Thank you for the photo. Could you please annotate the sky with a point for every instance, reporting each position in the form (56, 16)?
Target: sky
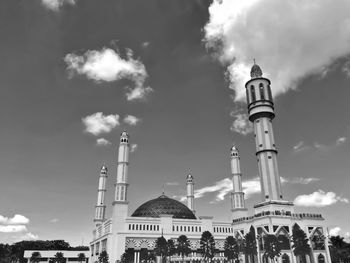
(75, 73)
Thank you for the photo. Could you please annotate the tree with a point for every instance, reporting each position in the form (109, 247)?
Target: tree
(35, 258)
(272, 246)
(250, 248)
(207, 245)
(81, 257)
(124, 258)
(161, 247)
(59, 258)
(171, 249)
(301, 247)
(339, 250)
(5, 253)
(231, 248)
(103, 258)
(183, 246)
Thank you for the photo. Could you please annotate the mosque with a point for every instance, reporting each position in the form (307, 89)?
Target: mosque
(137, 232)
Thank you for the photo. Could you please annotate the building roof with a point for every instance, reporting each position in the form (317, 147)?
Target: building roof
(164, 205)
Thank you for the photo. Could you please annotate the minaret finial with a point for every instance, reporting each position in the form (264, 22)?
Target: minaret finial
(163, 189)
(254, 60)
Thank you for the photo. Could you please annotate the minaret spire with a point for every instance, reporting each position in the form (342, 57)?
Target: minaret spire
(190, 192)
(237, 196)
(100, 209)
(121, 185)
(261, 114)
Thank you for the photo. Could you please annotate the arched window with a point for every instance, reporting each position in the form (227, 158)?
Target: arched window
(285, 258)
(269, 92)
(252, 90)
(320, 258)
(247, 94)
(261, 89)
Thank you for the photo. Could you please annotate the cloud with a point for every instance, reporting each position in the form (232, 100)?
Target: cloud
(334, 231)
(300, 147)
(238, 31)
(250, 187)
(16, 220)
(131, 120)
(299, 180)
(145, 44)
(54, 220)
(55, 5)
(340, 140)
(138, 93)
(346, 68)
(133, 147)
(172, 183)
(13, 228)
(102, 142)
(107, 65)
(319, 199)
(241, 124)
(98, 123)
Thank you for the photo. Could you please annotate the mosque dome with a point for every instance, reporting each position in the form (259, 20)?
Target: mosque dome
(164, 205)
(256, 71)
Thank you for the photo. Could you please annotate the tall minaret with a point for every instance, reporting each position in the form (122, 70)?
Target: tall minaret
(120, 203)
(237, 195)
(121, 185)
(100, 209)
(190, 192)
(261, 113)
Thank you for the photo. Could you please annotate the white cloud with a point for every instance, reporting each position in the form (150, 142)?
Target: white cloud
(54, 220)
(98, 123)
(102, 142)
(131, 120)
(241, 124)
(29, 236)
(145, 44)
(13, 228)
(300, 146)
(340, 140)
(138, 93)
(16, 220)
(346, 68)
(107, 65)
(172, 183)
(334, 231)
(299, 180)
(55, 5)
(319, 199)
(287, 42)
(133, 147)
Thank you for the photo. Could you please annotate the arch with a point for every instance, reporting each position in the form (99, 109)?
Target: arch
(261, 90)
(320, 258)
(252, 91)
(285, 258)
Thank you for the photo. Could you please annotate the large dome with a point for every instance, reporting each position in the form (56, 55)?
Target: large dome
(164, 205)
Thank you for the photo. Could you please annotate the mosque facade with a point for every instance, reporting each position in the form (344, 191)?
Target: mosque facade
(136, 233)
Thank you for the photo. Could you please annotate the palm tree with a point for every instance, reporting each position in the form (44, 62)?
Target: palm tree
(207, 245)
(103, 258)
(183, 246)
(171, 248)
(81, 257)
(250, 248)
(35, 258)
(272, 247)
(59, 258)
(161, 247)
(231, 249)
(301, 247)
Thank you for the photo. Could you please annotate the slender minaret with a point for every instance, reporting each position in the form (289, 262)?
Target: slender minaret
(100, 209)
(261, 113)
(120, 203)
(121, 185)
(237, 194)
(190, 192)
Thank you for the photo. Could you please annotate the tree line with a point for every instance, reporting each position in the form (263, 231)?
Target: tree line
(15, 252)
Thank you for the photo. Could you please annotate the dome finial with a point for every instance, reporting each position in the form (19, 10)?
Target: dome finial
(256, 71)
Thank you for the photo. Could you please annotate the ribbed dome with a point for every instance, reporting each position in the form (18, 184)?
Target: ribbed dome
(164, 205)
